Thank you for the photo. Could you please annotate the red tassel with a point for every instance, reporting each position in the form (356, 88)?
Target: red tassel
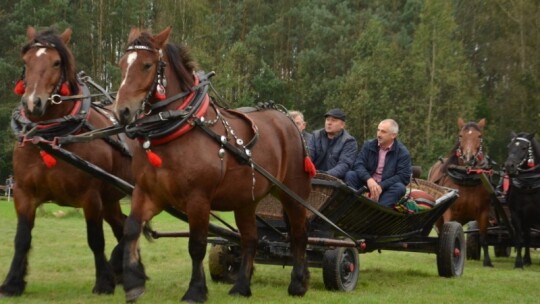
(506, 183)
(480, 156)
(309, 167)
(160, 92)
(154, 159)
(48, 159)
(530, 163)
(19, 88)
(64, 89)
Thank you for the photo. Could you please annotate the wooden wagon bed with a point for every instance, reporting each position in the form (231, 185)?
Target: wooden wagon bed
(361, 217)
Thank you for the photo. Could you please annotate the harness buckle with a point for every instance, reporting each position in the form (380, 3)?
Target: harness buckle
(56, 99)
(162, 116)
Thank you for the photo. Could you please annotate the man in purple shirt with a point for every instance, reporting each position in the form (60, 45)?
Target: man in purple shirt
(383, 166)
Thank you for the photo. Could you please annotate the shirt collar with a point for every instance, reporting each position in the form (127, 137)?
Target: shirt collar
(388, 148)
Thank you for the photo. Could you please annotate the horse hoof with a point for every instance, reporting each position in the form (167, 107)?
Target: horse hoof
(133, 294)
(237, 291)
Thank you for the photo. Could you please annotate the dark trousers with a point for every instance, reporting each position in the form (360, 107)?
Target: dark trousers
(389, 197)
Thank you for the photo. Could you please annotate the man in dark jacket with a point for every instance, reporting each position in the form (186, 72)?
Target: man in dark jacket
(383, 166)
(332, 149)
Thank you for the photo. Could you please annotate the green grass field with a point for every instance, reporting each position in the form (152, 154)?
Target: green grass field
(62, 271)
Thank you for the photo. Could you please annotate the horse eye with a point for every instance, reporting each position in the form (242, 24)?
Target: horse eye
(147, 66)
(57, 63)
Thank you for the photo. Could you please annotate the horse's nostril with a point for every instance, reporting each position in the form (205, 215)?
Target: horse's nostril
(125, 115)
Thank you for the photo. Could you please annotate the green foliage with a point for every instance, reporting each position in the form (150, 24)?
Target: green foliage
(422, 62)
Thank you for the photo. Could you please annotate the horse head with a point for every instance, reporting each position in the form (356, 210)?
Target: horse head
(521, 153)
(469, 151)
(49, 71)
(151, 70)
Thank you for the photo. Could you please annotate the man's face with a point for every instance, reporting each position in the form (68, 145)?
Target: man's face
(384, 136)
(300, 123)
(332, 125)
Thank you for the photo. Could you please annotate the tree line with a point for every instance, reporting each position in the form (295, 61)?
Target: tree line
(422, 62)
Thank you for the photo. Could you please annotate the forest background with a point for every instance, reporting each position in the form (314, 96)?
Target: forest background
(422, 62)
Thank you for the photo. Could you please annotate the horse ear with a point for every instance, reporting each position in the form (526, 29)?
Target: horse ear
(30, 33)
(66, 35)
(482, 123)
(133, 34)
(161, 38)
(513, 134)
(460, 123)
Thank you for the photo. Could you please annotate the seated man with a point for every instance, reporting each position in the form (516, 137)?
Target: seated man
(383, 166)
(332, 149)
(298, 118)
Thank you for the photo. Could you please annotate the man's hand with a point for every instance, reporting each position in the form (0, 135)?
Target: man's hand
(374, 189)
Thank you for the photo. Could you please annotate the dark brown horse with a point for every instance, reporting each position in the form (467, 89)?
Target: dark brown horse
(523, 167)
(460, 171)
(186, 161)
(50, 108)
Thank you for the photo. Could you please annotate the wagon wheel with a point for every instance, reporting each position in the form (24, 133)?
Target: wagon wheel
(473, 242)
(451, 255)
(341, 267)
(502, 251)
(223, 264)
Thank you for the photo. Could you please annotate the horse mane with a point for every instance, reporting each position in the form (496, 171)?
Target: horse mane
(534, 143)
(52, 39)
(182, 63)
(179, 59)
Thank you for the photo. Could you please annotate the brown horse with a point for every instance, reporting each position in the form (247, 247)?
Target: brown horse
(52, 106)
(187, 161)
(460, 171)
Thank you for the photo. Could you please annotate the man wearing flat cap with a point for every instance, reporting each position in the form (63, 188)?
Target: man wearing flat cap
(332, 149)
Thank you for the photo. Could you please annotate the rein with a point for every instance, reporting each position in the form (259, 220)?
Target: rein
(48, 129)
(165, 126)
(61, 130)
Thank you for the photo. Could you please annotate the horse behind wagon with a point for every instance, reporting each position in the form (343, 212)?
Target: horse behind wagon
(461, 170)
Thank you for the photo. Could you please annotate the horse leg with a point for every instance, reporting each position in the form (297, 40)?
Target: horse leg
(483, 228)
(245, 220)
(527, 241)
(134, 276)
(14, 284)
(518, 239)
(198, 215)
(96, 241)
(298, 234)
(112, 213)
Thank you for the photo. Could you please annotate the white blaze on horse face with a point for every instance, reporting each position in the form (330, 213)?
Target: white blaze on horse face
(41, 51)
(130, 60)
(31, 98)
(470, 131)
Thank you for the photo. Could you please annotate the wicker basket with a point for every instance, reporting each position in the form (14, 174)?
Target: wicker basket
(435, 190)
(270, 207)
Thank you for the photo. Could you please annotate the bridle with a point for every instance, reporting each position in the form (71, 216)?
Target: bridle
(159, 84)
(60, 89)
(478, 156)
(529, 159)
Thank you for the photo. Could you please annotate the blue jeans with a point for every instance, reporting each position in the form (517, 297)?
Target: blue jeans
(389, 197)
